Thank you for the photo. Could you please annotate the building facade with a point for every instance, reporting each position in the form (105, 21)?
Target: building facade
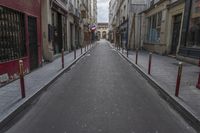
(189, 48)
(38, 30)
(125, 22)
(172, 28)
(20, 37)
(102, 31)
(112, 20)
(163, 26)
(58, 26)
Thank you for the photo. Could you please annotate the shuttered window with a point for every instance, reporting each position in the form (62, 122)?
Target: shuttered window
(12, 35)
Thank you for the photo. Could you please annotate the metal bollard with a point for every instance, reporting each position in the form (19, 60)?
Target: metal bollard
(21, 75)
(198, 83)
(178, 81)
(62, 59)
(74, 52)
(127, 53)
(150, 60)
(136, 57)
(81, 49)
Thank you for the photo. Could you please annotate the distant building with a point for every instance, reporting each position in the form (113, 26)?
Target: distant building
(102, 31)
(125, 22)
(167, 27)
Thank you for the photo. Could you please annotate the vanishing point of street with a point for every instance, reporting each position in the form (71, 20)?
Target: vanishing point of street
(102, 93)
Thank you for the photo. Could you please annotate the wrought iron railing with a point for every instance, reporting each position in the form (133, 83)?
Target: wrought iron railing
(12, 34)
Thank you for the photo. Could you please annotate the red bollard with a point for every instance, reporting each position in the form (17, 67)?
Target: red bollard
(136, 57)
(198, 83)
(150, 59)
(62, 59)
(21, 76)
(127, 51)
(178, 81)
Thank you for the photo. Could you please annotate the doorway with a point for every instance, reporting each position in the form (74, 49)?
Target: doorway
(33, 43)
(176, 33)
(57, 25)
(71, 36)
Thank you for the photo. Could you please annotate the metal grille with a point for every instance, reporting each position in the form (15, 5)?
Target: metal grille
(12, 35)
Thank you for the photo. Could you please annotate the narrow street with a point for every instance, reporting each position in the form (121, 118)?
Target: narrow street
(102, 93)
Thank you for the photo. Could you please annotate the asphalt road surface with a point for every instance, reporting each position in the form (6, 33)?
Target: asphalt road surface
(102, 93)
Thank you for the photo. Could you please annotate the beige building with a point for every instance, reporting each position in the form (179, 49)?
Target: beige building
(102, 31)
(125, 22)
(65, 24)
(167, 27)
(54, 19)
(174, 24)
(163, 26)
(112, 20)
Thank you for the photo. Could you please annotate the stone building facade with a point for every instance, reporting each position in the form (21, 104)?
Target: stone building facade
(66, 25)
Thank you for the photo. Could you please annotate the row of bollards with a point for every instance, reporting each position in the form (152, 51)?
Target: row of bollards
(179, 75)
(21, 68)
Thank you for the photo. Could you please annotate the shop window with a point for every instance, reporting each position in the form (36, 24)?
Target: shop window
(154, 26)
(12, 35)
(193, 35)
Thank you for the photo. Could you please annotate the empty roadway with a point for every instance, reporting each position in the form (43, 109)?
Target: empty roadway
(102, 93)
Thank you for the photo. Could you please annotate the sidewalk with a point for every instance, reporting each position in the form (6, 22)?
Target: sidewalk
(10, 96)
(164, 71)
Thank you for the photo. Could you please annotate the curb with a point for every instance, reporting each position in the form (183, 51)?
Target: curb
(12, 113)
(184, 110)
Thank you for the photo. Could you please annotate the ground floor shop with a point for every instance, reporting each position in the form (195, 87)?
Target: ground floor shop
(20, 37)
(54, 29)
(190, 41)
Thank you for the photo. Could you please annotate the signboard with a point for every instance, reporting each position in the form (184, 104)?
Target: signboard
(4, 78)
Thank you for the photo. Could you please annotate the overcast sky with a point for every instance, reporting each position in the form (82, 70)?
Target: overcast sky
(103, 11)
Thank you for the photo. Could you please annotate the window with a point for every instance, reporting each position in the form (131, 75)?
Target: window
(193, 39)
(154, 27)
(12, 35)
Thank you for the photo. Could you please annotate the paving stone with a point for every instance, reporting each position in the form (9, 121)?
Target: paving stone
(164, 71)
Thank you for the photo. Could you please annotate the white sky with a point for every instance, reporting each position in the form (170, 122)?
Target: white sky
(103, 10)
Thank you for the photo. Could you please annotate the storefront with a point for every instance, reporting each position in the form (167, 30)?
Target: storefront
(20, 37)
(190, 42)
(59, 26)
(156, 28)
(175, 22)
